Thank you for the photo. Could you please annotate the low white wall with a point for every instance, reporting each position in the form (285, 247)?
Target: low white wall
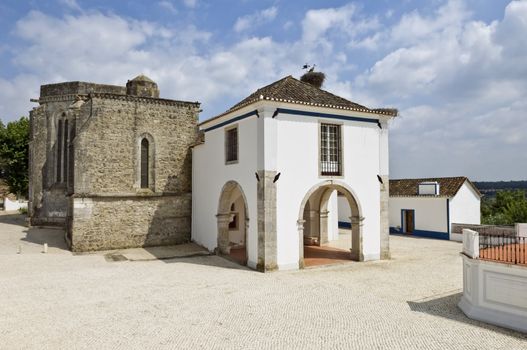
(495, 293)
(492, 292)
(10, 205)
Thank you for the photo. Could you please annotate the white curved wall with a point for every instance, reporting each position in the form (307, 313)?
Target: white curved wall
(495, 293)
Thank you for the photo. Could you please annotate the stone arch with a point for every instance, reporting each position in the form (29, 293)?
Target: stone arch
(152, 161)
(321, 193)
(225, 216)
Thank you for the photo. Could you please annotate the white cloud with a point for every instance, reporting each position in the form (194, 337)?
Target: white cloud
(71, 4)
(190, 3)
(346, 19)
(168, 5)
(461, 88)
(258, 18)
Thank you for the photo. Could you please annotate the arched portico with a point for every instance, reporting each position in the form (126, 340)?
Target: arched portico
(233, 221)
(316, 203)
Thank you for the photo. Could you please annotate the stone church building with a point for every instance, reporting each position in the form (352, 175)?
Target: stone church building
(112, 164)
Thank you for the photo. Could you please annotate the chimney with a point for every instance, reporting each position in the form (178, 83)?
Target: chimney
(429, 188)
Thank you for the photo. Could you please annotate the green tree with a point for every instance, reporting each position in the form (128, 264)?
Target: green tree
(507, 208)
(14, 155)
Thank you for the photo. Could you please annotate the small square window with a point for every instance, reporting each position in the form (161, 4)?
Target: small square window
(231, 145)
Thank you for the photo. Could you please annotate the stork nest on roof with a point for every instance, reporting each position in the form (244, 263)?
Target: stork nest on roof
(314, 78)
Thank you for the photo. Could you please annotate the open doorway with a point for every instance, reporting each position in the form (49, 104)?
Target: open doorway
(328, 237)
(233, 223)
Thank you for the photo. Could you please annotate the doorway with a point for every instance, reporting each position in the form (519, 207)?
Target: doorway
(321, 241)
(233, 222)
(408, 221)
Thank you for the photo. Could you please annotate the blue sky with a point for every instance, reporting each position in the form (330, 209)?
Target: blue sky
(456, 69)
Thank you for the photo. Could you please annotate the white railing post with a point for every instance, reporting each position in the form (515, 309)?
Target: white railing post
(521, 230)
(471, 243)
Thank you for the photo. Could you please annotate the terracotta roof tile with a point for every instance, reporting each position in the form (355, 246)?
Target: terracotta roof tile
(448, 186)
(292, 90)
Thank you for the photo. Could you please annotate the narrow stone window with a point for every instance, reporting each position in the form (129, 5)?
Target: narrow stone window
(330, 150)
(231, 145)
(145, 163)
(65, 155)
(59, 151)
(71, 157)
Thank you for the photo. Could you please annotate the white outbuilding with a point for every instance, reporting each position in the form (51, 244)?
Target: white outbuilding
(266, 175)
(429, 207)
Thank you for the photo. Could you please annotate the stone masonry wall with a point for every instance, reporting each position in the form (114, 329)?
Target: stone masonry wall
(101, 202)
(109, 210)
(107, 146)
(48, 201)
(115, 223)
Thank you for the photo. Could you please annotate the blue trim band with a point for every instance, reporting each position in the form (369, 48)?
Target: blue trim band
(448, 216)
(422, 233)
(235, 119)
(344, 224)
(327, 115)
(296, 112)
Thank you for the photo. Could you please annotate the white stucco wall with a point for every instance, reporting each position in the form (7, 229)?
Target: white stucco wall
(465, 206)
(11, 205)
(291, 144)
(495, 293)
(298, 161)
(344, 209)
(333, 217)
(209, 175)
(430, 212)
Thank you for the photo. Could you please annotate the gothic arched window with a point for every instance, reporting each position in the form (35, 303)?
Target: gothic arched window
(145, 163)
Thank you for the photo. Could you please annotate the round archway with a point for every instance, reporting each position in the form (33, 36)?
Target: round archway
(313, 218)
(233, 222)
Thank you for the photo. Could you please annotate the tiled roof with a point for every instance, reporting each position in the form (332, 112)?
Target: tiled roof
(292, 90)
(448, 186)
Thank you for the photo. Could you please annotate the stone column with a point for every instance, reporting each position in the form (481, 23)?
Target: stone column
(385, 219)
(356, 238)
(266, 204)
(323, 227)
(313, 227)
(223, 233)
(300, 227)
(384, 189)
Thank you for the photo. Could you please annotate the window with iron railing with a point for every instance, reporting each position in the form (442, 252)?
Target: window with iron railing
(231, 145)
(330, 150)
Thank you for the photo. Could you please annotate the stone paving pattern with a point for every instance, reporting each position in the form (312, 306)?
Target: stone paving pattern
(64, 301)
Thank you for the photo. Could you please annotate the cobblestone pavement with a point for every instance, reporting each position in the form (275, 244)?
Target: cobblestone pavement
(62, 301)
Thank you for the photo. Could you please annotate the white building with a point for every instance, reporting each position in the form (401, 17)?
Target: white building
(429, 207)
(265, 176)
